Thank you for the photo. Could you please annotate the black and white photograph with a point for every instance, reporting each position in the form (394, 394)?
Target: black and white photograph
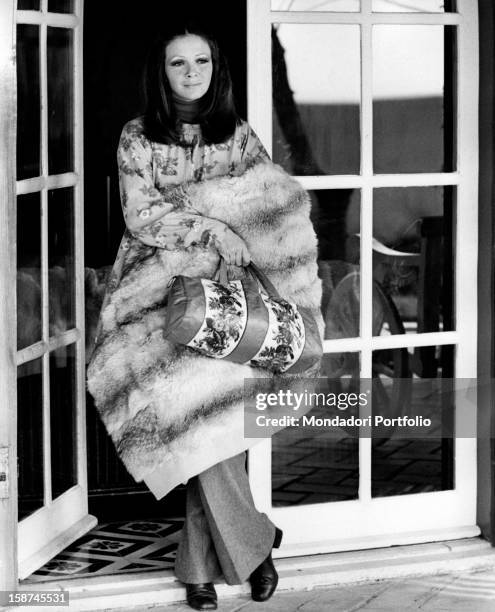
(247, 322)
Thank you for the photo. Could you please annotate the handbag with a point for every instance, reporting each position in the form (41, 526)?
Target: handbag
(245, 321)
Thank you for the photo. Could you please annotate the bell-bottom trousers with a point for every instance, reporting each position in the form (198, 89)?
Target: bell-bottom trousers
(223, 532)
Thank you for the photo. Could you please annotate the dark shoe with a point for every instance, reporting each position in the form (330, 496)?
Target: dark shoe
(264, 579)
(201, 596)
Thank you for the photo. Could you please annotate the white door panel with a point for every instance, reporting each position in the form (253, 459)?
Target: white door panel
(52, 497)
(386, 98)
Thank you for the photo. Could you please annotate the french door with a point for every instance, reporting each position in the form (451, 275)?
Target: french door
(372, 106)
(50, 358)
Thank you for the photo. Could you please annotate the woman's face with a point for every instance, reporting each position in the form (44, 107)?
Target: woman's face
(188, 66)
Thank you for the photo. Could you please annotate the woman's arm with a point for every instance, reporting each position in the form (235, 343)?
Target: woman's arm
(160, 217)
(181, 230)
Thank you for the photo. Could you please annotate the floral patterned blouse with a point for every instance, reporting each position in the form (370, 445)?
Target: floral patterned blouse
(152, 175)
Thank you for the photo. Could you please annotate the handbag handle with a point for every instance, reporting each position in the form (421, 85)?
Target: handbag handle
(263, 281)
(221, 276)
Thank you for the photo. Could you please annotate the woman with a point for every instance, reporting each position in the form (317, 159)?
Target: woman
(191, 132)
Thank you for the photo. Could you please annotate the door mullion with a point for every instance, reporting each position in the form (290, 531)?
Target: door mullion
(399, 18)
(45, 296)
(260, 111)
(81, 459)
(259, 80)
(466, 257)
(366, 230)
(8, 413)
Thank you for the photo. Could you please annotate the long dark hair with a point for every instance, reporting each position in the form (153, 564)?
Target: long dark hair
(217, 114)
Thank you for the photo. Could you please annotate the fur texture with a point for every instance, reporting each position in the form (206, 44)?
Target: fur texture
(168, 409)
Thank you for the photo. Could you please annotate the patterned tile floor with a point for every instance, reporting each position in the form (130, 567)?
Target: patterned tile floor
(114, 548)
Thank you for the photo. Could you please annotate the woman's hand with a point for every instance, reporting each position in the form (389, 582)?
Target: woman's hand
(232, 247)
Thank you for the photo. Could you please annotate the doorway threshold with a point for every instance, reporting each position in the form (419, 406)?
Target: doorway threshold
(296, 573)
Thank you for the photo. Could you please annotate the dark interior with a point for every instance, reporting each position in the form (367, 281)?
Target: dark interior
(116, 39)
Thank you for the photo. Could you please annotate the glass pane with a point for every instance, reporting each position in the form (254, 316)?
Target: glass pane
(316, 97)
(28, 101)
(315, 464)
(413, 260)
(28, 5)
(315, 5)
(413, 104)
(63, 419)
(30, 437)
(61, 6)
(28, 269)
(413, 6)
(61, 258)
(336, 218)
(60, 60)
(403, 464)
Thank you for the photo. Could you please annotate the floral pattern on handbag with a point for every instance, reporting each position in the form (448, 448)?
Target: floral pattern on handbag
(284, 341)
(225, 319)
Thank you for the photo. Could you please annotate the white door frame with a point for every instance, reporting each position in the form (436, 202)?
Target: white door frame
(8, 407)
(368, 522)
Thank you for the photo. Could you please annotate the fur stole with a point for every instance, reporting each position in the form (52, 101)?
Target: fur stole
(171, 412)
